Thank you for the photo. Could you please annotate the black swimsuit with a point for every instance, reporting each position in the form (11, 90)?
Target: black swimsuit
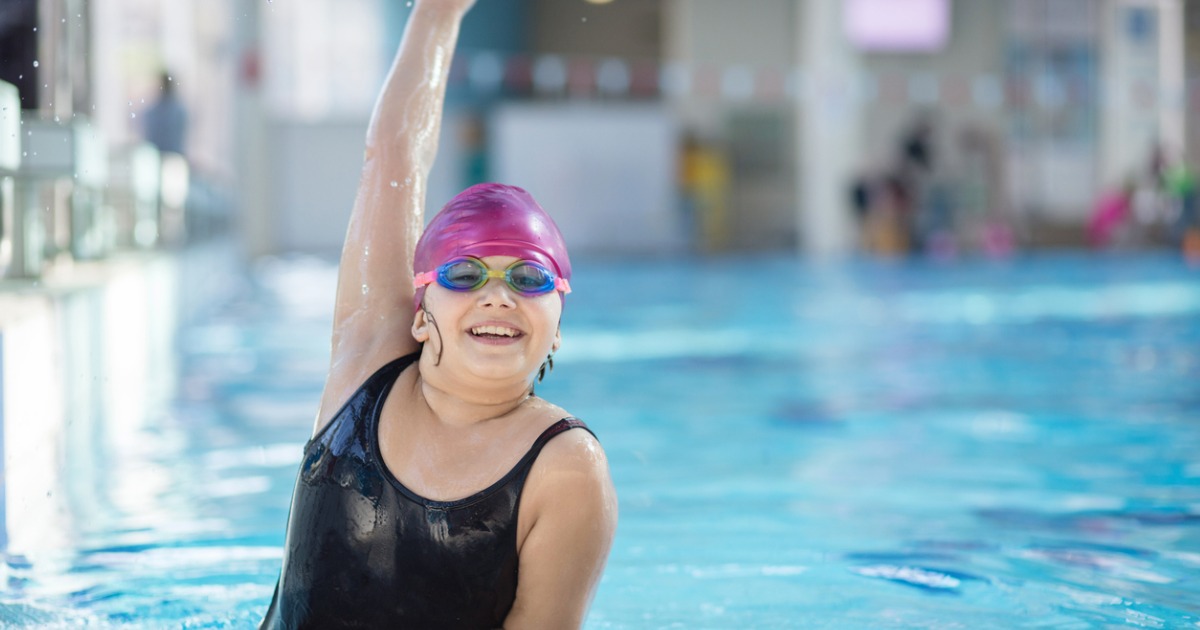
(363, 551)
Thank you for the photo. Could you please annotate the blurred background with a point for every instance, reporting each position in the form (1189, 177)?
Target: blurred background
(164, 162)
(828, 128)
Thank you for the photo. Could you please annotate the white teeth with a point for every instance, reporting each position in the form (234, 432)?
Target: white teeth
(494, 330)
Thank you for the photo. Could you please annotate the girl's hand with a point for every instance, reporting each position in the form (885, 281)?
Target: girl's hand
(454, 5)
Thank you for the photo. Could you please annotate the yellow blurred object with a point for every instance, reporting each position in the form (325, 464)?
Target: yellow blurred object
(705, 178)
(884, 233)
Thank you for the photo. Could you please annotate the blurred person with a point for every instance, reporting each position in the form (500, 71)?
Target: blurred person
(1110, 213)
(917, 145)
(924, 210)
(704, 177)
(884, 224)
(164, 124)
(1153, 205)
(1179, 180)
(983, 206)
(435, 477)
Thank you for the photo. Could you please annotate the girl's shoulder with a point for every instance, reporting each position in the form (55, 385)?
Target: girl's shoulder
(573, 449)
(547, 415)
(545, 412)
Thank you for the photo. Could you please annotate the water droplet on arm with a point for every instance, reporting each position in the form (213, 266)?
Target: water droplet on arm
(35, 63)
(395, 183)
(365, 289)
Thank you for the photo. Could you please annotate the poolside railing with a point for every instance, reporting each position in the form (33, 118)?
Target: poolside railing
(66, 195)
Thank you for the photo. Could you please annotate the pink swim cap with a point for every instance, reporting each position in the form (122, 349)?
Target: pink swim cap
(491, 220)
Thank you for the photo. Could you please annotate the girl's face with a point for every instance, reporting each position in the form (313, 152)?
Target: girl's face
(492, 333)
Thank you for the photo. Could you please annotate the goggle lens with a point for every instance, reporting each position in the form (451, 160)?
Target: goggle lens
(530, 278)
(462, 275)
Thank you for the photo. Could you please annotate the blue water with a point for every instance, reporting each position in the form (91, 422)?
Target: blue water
(862, 445)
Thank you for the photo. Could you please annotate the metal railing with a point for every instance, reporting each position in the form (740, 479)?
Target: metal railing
(65, 195)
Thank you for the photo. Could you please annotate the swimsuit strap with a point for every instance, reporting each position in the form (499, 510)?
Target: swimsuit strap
(522, 468)
(375, 386)
(390, 370)
(565, 424)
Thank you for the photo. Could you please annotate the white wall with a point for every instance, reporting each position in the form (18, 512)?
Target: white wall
(606, 173)
(314, 169)
(1151, 65)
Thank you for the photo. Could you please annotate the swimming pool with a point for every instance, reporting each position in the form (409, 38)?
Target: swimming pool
(874, 445)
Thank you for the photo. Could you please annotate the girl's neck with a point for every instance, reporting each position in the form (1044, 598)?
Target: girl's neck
(459, 404)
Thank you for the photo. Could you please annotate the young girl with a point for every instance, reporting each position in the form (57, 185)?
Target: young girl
(437, 490)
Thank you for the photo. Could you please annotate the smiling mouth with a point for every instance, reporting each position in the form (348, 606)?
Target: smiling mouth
(495, 332)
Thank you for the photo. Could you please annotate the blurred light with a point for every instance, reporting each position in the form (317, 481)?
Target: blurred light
(486, 71)
(612, 77)
(676, 79)
(10, 127)
(33, 430)
(921, 25)
(737, 83)
(174, 180)
(986, 92)
(550, 74)
(599, 1)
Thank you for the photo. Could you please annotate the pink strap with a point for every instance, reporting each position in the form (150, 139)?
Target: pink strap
(422, 279)
(562, 285)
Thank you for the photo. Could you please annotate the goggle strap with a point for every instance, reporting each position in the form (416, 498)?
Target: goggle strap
(562, 285)
(423, 279)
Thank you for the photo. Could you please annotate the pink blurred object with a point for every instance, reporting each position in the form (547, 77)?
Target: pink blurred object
(1110, 211)
(897, 25)
(998, 240)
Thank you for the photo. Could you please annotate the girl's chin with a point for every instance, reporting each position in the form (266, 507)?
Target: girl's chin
(499, 369)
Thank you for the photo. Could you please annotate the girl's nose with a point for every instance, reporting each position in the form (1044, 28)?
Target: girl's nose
(496, 292)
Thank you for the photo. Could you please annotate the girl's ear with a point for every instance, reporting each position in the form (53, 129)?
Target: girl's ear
(420, 327)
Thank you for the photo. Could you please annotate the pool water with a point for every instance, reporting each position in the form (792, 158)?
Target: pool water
(860, 445)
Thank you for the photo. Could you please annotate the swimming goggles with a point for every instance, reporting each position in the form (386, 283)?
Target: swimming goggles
(468, 274)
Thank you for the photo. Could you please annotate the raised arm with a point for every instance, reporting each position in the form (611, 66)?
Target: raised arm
(373, 312)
